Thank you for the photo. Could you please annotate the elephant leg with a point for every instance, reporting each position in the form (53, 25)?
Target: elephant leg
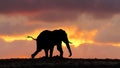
(59, 48)
(35, 53)
(46, 53)
(51, 51)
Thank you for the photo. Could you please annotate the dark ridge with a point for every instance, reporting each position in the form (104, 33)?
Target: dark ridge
(58, 62)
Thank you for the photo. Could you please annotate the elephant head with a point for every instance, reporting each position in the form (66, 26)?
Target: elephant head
(61, 35)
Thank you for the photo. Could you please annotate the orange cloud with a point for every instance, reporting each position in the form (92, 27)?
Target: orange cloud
(82, 37)
(74, 36)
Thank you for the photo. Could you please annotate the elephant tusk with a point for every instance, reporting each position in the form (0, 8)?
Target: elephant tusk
(70, 42)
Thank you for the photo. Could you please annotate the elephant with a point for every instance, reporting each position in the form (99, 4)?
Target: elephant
(48, 39)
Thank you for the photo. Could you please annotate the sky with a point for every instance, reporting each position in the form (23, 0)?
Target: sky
(93, 26)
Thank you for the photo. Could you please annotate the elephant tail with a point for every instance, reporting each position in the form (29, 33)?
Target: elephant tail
(31, 37)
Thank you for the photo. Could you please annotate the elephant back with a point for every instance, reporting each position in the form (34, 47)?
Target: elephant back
(44, 35)
(59, 35)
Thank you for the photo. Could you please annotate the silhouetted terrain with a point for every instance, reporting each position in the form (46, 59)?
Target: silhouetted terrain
(57, 62)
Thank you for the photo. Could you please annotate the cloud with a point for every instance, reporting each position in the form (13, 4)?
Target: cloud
(87, 22)
(9, 24)
(99, 8)
(17, 24)
(16, 49)
(96, 51)
(110, 33)
(56, 16)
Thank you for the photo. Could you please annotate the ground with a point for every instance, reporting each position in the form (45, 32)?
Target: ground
(58, 62)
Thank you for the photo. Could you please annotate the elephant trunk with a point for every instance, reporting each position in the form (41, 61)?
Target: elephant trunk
(69, 49)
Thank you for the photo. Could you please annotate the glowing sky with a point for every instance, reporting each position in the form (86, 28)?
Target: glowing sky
(93, 26)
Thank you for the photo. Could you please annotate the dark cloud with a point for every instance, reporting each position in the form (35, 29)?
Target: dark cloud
(17, 29)
(12, 25)
(90, 6)
(60, 10)
(18, 24)
(56, 16)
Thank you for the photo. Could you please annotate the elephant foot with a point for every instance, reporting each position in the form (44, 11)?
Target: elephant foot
(44, 57)
(32, 56)
(61, 56)
(58, 57)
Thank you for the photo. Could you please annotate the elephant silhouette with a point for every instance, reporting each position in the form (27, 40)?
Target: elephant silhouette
(48, 39)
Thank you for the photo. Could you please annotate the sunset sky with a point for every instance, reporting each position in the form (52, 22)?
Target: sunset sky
(93, 26)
